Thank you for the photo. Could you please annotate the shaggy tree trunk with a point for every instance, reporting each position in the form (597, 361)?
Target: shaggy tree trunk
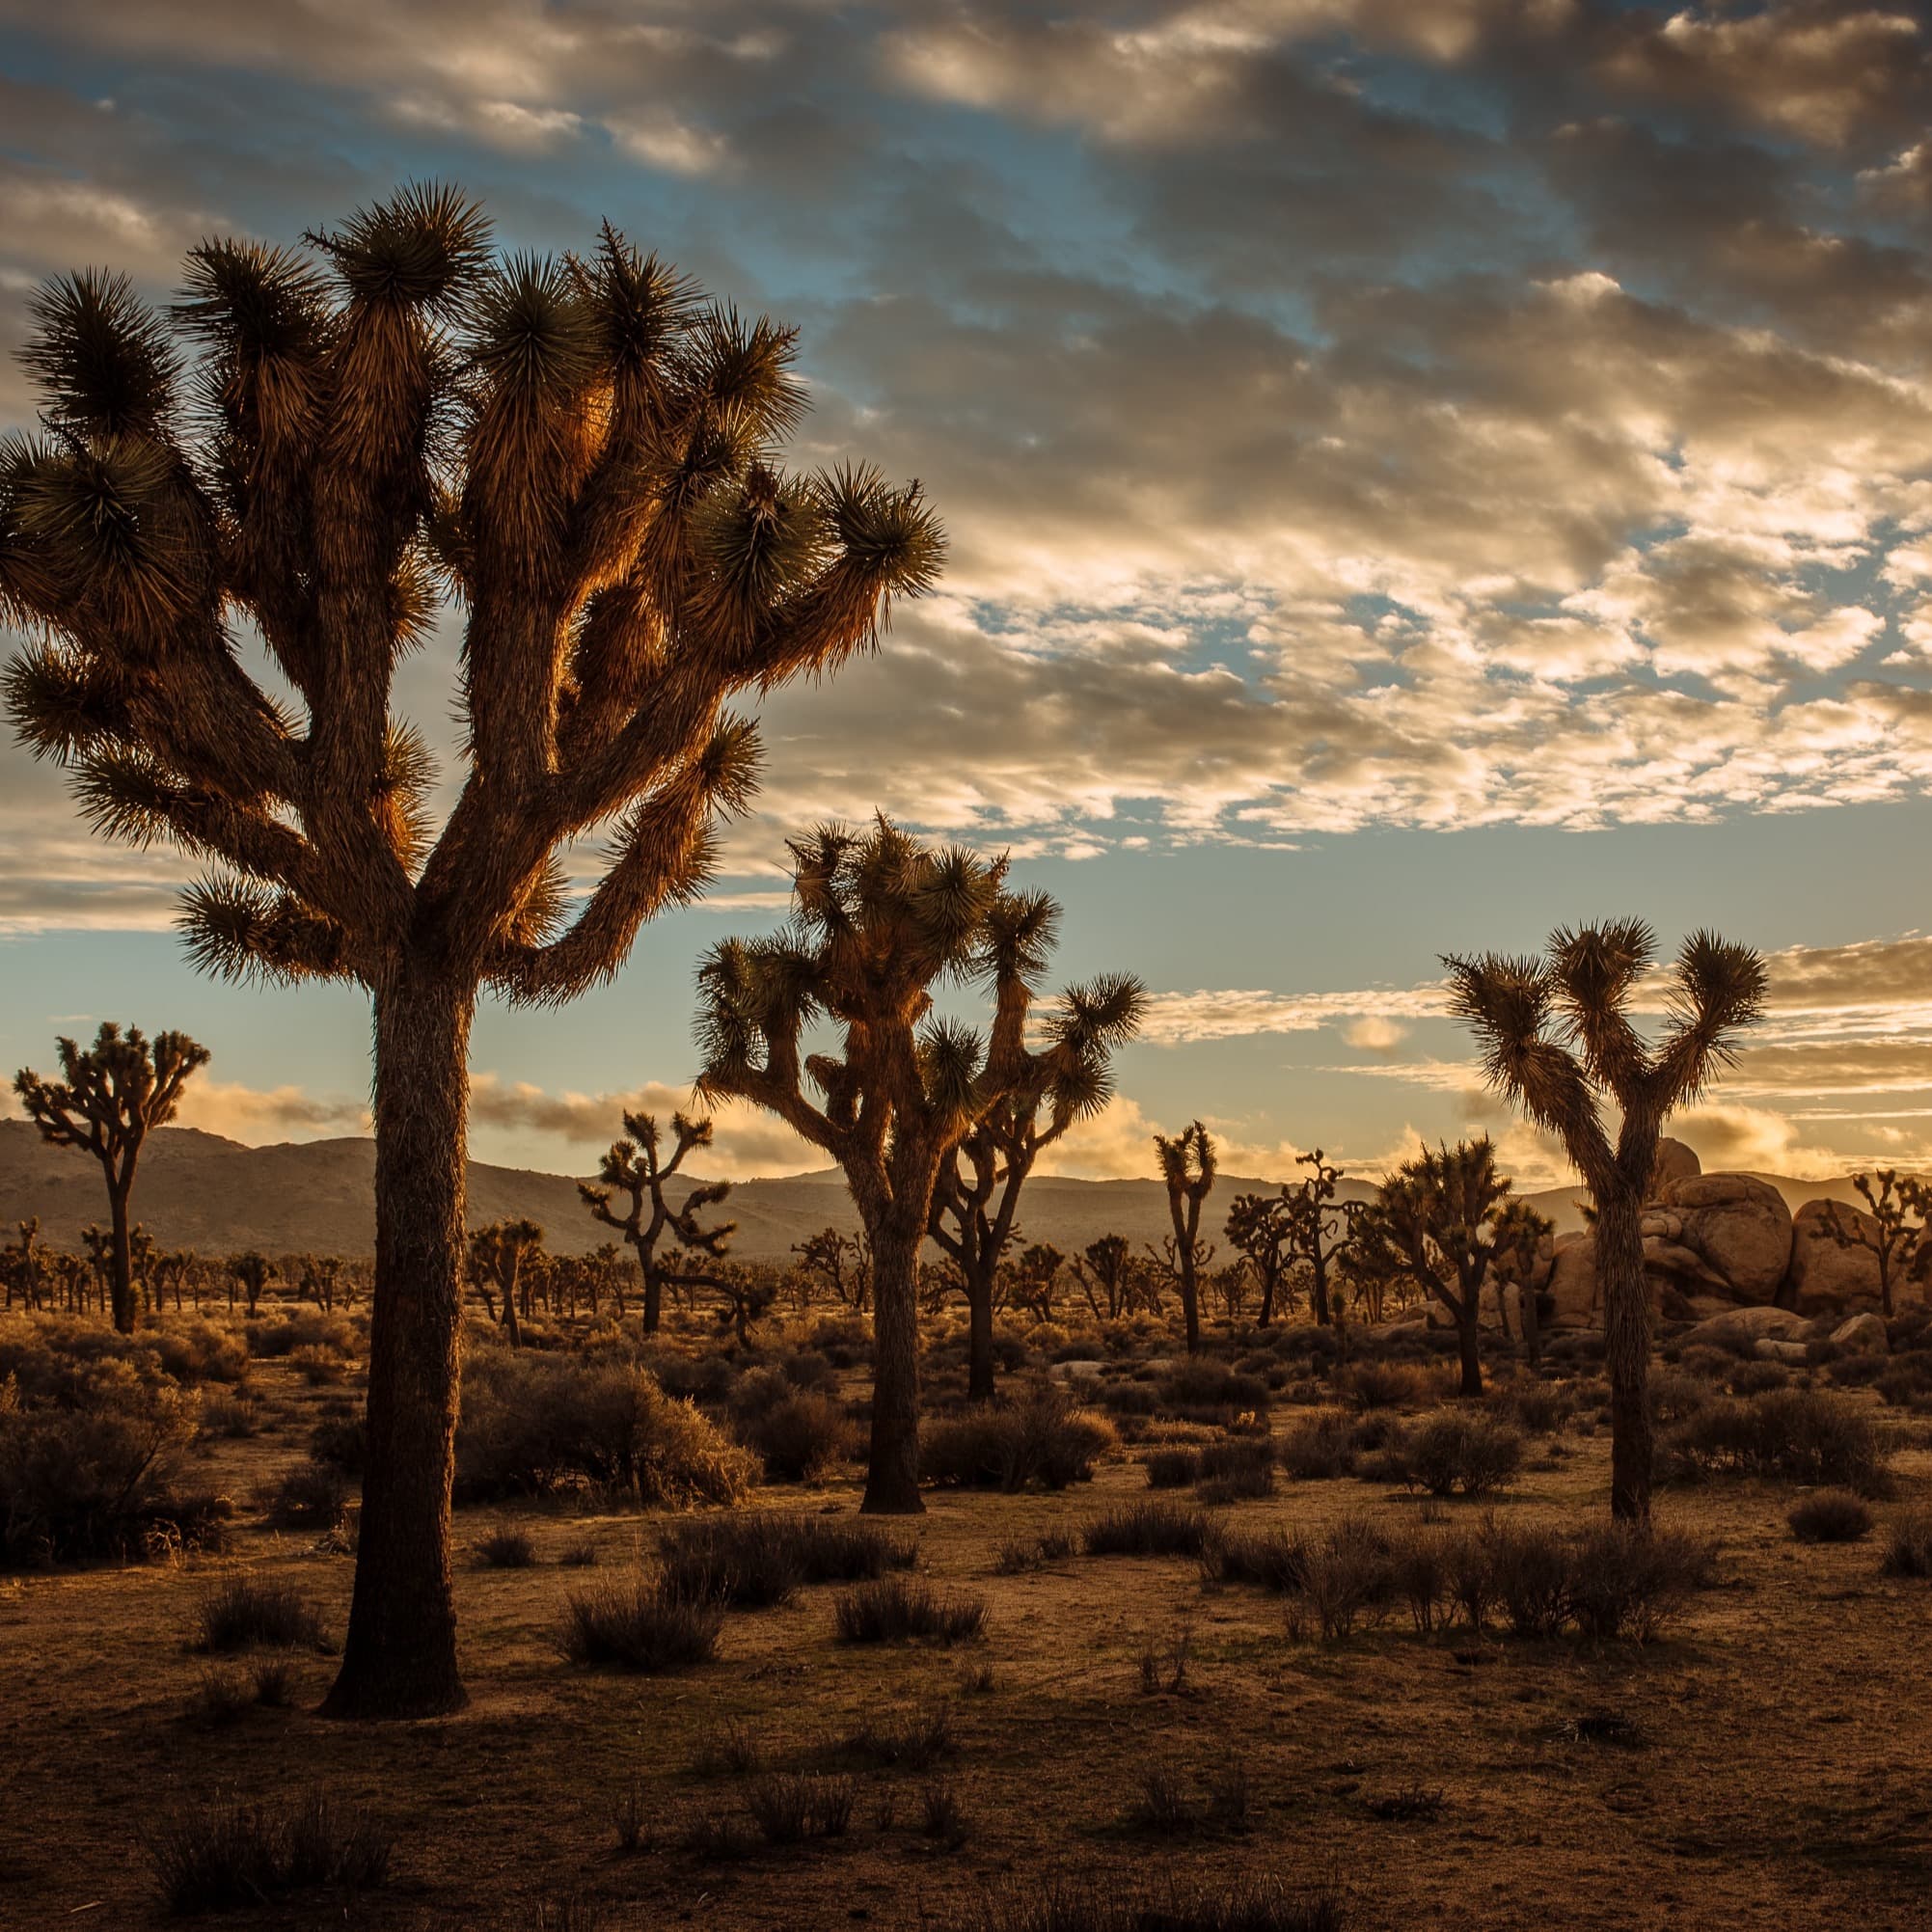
(892, 1474)
(1468, 1315)
(654, 1296)
(1626, 1351)
(399, 1657)
(1530, 1319)
(1318, 1287)
(1191, 1298)
(979, 1332)
(120, 1285)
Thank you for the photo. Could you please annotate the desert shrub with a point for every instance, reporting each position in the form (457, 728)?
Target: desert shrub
(1387, 1385)
(239, 1613)
(714, 1837)
(1060, 1905)
(803, 1438)
(232, 1416)
(1536, 1408)
(304, 1328)
(1908, 1544)
(729, 1750)
(1138, 1400)
(76, 1363)
(272, 1680)
(222, 1697)
(506, 1549)
(1159, 1806)
(1146, 1530)
(1320, 1448)
(1348, 1575)
(1792, 1435)
(637, 1624)
(1610, 1581)
(1274, 1559)
(1758, 1378)
(942, 1814)
(790, 1806)
(1831, 1516)
(1412, 1804)
(845, 1341)
(341, 1442)
(1455, 1452)
(76, 1486)
(1042, 1440)
(1171, 1468)
(1204, 1389)
(1420, 1570)
(914, 1743)
(761, 1557)
(310, 1496)
(1237, 1470)
(896, 1610)
(228, 1855)
(537, 1424)
(1906, 1380)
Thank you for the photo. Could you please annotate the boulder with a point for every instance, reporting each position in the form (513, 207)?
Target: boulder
(1862, 1335)
(1742, 1327)
(1737, 1225)
(1684, 1266)
(1793, 1354)
(1080, 1370)
(1826, 1279)
(1572, 1288)
(1674, 1162)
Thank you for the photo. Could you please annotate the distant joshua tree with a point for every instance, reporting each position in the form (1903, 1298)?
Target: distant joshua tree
(1520, 1234)
(1043, 1089)
(878, 920)
(1318, 1230)
(251, 1273)
(842, 1263)
(1894, 1240)
(636, 1164)
(1104, 1270)
(1261, 1229)
(1557, 1038)
(500, 1253)
(582, 453)
(1187, 1168)
(107, 1097)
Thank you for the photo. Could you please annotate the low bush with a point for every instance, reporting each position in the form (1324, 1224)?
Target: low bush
(1041, 1441)
(912, 1743)
(1453, 1452)
(1348, 1574)
(806, 1437)
(1908, 1544)
(1792, 1435)
(1276, 1560)
(544, 1425)
(789, 1806)
(1146, 1530)
(895, 1611)
(751, 1561)
(1608, 1582)
(1388, 1385)
(239, 1613)
(639, 1625)
(1831, 1516)
(942, 1814)
(1204, 1390)
(506, 1549)
(1173, 1468)
(1320, 1448)
(230, 1855)
(310, 1496)
(1237, 1470)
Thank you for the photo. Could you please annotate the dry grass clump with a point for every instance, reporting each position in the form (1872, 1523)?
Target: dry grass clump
(240, 1614)
(1147, 1530)
(1172, 1467)
(1063, 1905)
(1276, 1560)
(898, 1611)
(789, 1806)
(310, 1496)
(1908, 1544)
(914, 1743)
(1831, 1516)
(1202, 1389)
(534, 1425)
(1790, 1435)
(753, 1560)
(506, 1549)
(1320, 1448)
(1239, 1470)
(1044, 1441)
(639, 1625)
(1392, 1385)
(230, 1855)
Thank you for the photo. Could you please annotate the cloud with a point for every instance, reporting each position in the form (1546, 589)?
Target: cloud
(1376, 1033)
(255, 1117)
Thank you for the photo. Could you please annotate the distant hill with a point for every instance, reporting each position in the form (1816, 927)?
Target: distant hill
(196, 1190)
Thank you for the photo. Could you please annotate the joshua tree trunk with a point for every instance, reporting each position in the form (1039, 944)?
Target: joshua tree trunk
(400, 1658)
(653, 1297)
(893, 1476)
(979, 1331)
(1467, 1317)
(121, 1279)
(1190, 1296)
(1626, 1349)
(1530, 1319)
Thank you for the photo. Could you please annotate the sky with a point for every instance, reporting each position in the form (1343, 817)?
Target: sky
(1417, 472)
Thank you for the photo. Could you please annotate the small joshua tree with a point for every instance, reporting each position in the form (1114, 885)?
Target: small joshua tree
(251, 1273)
(1893, 1237)
(1318, 1228)
(1261, 1229)
(1043, 1092)
(500, 1253)
(842, 1263)
(636, 1165)
(1438, 1213)
(1187, 1168)
(1104, 1270)
(107, 1097)
(1557, 1038)
(1520, 1233)
(583, 454)
(878, 920)
(24, 1265)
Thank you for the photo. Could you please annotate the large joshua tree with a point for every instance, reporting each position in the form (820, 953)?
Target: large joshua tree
(331, 447)
(1187, 1171)
(877, 921)
(638, 1165)
(107, 1097)
(1043, 1091)
(1558, 1039)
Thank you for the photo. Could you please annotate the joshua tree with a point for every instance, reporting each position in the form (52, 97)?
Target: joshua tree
(1438, 1213)
(1261, 1227)
(1043, 1092)
(1188, 1168)
(637, 1166)
(1893, 1238)
(1036, 1277)
(839, 1262)
(500, 1253)
(580, 453)
(1557, 1038)
(1318, 1229)
(25, 1267)
(108, 1095)
(172, 1270)
(1520, 1234)
(878, 920)
(1104, 1270)
(251, 1273)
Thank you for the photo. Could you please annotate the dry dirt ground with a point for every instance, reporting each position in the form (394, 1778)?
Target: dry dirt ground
(1779, 1774)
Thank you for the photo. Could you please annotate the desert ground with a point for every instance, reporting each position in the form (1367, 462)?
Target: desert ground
(1764, 1761)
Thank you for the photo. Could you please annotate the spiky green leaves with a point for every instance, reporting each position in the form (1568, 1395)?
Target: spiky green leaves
(893, 538)
(236, 930)
(101, 357)
(64, 704)
(417, 249)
